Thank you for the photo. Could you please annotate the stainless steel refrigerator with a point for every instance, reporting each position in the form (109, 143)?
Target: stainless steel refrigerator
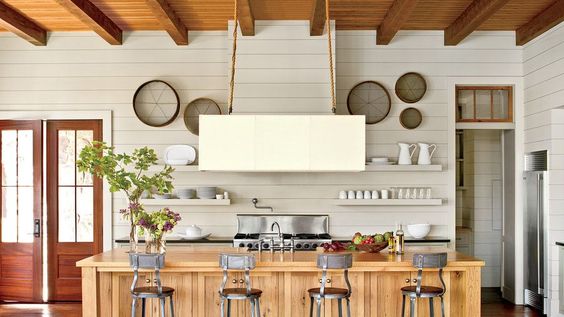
(536, 232)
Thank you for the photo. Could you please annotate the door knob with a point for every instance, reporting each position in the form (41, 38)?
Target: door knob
(241, 281)
(148, 281)
(407, 280)
(328, 280)
(234, 281)
(414, 280)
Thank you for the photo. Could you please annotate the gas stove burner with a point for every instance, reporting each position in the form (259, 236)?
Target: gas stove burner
(310, 236)
(266, 241)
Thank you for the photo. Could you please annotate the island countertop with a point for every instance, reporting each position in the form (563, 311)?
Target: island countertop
(207, 257)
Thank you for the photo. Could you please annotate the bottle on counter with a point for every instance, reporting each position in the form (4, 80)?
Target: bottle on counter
(391, 244)
(399, 240)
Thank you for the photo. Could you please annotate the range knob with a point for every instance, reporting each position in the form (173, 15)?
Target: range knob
(314, 246)
(298, 245)
(306, 245)
(249, 245)
(265, 245)
(241, 245)
(256, 245)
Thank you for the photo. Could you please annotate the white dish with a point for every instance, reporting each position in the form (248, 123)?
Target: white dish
(179, 155)
(419, 231)
(190, 238)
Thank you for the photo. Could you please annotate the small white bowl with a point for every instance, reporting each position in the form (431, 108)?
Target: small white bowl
(419, 231)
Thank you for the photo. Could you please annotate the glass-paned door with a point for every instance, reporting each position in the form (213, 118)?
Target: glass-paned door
(74, 206)
(20, 200)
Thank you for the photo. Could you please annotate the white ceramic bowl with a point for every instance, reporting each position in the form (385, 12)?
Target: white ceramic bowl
(193, 231)
(419, 231)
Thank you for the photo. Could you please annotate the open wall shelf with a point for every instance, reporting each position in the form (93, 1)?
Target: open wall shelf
(388, 202)
(186, 202)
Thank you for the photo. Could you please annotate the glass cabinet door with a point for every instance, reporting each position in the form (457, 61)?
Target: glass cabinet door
(484, 104)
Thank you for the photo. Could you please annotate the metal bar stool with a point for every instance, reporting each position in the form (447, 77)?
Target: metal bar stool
(426, 261)
(238, 262)
(332, 262)
(155, 262)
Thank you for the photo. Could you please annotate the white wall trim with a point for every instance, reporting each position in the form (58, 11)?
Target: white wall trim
(518, 114)
(106, 117)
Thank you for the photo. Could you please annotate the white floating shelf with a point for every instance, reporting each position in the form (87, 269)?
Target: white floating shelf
(177, 168)
(388, 202)
(186, 202)
(404, 168)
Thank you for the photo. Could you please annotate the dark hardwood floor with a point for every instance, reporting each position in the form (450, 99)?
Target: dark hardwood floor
(492, 306)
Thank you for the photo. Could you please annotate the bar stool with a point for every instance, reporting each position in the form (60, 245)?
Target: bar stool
(155, 262)
(238, 262)
(426, 261)
(332, 262)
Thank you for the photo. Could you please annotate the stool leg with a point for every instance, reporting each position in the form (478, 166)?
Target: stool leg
(171, 307)
(221, 306)
(133, 302)
(403, 306)
(142, 307)
(412, 306)
(310, 306)
(162, 300)
(319, 307)
(340, 304)
(442, 307)
(431, 308)
(228, 307)
(258, 307)
(348, 307)
(253, 311)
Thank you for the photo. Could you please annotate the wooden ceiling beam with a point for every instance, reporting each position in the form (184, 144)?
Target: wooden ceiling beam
(397, 15)
(169, 20)
(317, 20)
(475, 14)
(246, 17)
(22, 26)
(541, 23)
(90, 15)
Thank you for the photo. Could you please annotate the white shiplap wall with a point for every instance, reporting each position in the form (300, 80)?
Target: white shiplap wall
(543, 65)
(79, 71)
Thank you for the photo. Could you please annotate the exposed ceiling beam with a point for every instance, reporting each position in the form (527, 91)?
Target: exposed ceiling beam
(90, 15)
(397, 15)
(246, 18)
(317, 20)
(22, 26)
(474, 15)
(169, 20)
(541, 23)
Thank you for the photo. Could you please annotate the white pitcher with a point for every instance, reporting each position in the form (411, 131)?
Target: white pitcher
(406, 153)
(426, 152)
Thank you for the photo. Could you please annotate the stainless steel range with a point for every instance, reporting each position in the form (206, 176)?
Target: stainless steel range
(281, 232)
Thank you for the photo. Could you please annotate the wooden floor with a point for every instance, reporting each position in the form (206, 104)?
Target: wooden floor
(492, 306)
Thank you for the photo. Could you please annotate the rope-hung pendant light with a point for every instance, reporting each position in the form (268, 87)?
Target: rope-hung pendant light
(234, 58)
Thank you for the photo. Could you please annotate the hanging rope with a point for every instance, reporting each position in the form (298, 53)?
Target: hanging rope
(233, 59)
(331, 72)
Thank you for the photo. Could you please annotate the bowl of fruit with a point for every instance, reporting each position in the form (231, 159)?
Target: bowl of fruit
(371, 243)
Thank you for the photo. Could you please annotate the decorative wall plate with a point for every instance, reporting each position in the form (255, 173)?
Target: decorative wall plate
(411, 118)
(370, 99)
(411, 87)
(156, 103)
(195, 109)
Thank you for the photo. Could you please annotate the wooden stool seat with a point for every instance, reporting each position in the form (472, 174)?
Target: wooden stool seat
(426, 291)
(329, 292)
(241, 291)
(152, 290)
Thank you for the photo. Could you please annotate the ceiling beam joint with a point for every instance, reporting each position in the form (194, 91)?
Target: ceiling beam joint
(478, 12)
(397, 15)
(94, 18)
(541, 23)
(169, 21)
(22, 26)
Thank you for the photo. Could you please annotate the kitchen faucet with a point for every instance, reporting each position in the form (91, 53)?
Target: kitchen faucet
(277, 225)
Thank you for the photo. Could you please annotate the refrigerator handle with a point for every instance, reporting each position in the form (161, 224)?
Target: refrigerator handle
(540, 230)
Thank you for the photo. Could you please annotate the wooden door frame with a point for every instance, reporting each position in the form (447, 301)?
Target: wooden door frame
(52, 184)
(36, 126)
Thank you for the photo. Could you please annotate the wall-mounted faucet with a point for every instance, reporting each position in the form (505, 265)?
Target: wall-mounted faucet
(255, 201)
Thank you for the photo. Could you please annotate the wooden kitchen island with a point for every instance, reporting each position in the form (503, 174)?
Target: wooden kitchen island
(284, 279)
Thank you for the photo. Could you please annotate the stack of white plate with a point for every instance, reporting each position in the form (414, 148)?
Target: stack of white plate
(206, 192)
(379, 161)
(162, 196)
(185, 193)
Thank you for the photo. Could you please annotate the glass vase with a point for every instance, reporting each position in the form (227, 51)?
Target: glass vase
(154, 244)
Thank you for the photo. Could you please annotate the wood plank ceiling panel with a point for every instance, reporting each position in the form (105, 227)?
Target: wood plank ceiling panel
(359, 14)
(48, 14)
(514, 14)
(435, 14)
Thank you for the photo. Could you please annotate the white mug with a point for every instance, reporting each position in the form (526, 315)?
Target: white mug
(375, 194)
(342, 194)
(219, 196)
(350, 194)
(367, 194)
(225, 195)
(385, 194)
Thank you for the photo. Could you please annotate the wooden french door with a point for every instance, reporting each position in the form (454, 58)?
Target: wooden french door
(20, 199)
(74, 206)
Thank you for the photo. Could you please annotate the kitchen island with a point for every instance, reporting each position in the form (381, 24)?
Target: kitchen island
(284, 278)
